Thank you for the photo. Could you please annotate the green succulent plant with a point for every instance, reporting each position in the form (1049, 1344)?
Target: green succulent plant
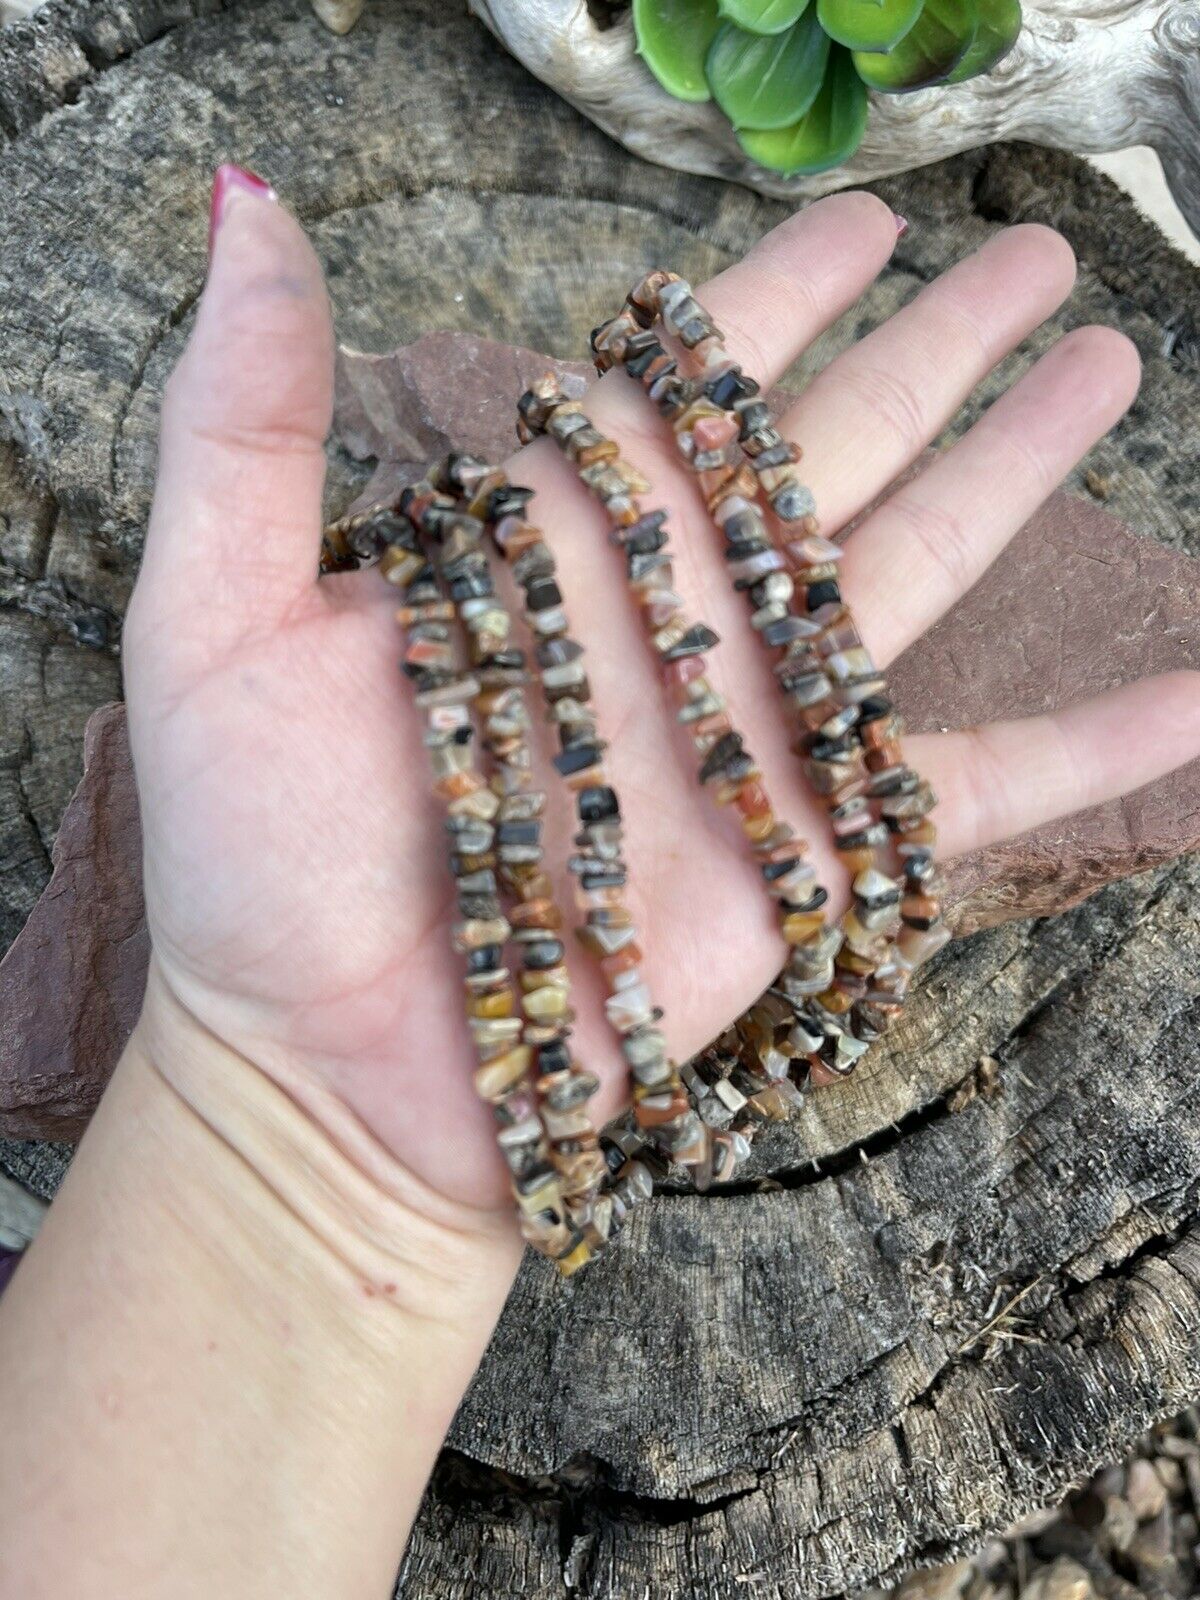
(792, 75)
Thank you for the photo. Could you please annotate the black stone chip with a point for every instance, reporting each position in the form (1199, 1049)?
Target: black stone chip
(823, 594)
(598, 803)
(728, 387)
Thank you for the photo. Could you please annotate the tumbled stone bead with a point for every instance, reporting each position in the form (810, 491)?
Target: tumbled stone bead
(729, 1151)
(804, 1037)
(492, 1034)
(547, 1230)
(796, 879)
(645, 1045)
(778, 1102)
(801, 927)
(917, 945)
(753, 569)
(500, 1003)
(923, 835)
(730, 1097)
(540, 1192)
(912, 806)
(561, 1125)
(859, 937)
(400, 566)
(691, 1147)
(654, 1073)
(730, 386)
(659, 1108)
(473, 934)
(875, 888)
(552, 1002)
(677, 644)
(713, 430)
(919, 865)
(920, 910)
(821, 1075)
(630, 1008)
(570, 1263)
(564, 421)
(636, 1185)
(496, 1077)
(602, 1223)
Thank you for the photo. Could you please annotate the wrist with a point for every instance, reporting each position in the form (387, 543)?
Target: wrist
(238, 1292)
(296, 1170)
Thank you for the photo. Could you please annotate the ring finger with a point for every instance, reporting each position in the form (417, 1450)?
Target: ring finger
(939, 533)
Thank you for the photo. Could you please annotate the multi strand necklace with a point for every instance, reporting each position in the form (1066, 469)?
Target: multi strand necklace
(842, 983)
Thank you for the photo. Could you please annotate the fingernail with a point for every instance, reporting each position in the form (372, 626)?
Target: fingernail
(901, 224)
(228, 180)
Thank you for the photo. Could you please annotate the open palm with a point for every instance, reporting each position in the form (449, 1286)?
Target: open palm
(296, 878)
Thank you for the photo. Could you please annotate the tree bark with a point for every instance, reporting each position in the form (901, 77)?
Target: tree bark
(925, 1310)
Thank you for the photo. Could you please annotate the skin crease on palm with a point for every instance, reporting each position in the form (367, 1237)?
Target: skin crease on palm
(296, 880)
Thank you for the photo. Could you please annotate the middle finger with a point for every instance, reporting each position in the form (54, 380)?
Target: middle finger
(873, 410)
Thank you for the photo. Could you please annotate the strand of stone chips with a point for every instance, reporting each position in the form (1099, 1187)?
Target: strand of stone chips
(444, 693)
(664, 1112)
(849, 731)
(817, 1038)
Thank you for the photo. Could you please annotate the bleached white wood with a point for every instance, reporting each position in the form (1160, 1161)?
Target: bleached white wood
(1085, 75)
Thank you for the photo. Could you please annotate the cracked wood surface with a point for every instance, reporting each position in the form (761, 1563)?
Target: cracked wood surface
(904, 1326)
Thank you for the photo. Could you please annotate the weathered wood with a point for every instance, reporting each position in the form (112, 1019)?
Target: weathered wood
(786, 1389)
(813, 1384)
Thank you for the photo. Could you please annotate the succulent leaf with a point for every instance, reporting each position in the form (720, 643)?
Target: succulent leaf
(826, 136)
(768, 80)
(673, 38)
(928, 53)
(999, 25)
(763, 16)
(868, 24)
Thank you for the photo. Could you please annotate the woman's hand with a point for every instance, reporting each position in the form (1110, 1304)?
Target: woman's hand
(296, 878)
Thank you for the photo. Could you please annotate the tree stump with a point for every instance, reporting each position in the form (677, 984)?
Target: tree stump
(944, 1293)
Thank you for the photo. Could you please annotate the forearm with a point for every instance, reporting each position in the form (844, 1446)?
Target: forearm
(232, 1355)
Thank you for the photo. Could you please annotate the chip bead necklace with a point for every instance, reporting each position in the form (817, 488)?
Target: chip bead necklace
(444, 692)
(842, 983)
(514, 867)
(849, 730)
(664, 1106)
(819, 1046)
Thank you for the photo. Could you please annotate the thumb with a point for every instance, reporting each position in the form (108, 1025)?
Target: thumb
(234, 533)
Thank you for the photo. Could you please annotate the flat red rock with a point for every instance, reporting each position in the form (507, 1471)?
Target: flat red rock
(1097, 606)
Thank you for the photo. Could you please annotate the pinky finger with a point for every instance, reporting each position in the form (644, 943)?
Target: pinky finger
(1003, 779)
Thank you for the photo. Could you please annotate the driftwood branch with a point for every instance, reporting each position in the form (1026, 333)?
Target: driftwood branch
(1084, 75)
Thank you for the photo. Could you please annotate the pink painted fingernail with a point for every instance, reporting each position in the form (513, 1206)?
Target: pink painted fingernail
(901, 224)
(227, 181)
